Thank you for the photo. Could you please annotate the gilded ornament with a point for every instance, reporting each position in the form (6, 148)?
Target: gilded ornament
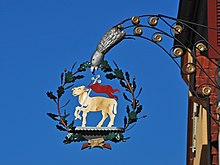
(206, 90)
(157, 38)
(119, 26)
(178, 52)
(153, 21)
(177, 29)
(135, 20)
(201, 47)
(138, 31)
(190, 68)
(217, 110)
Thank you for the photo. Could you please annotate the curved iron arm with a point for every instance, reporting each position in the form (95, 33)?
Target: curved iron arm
(175, 27)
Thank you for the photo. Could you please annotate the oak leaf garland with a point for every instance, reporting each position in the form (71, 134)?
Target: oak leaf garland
(69, 77)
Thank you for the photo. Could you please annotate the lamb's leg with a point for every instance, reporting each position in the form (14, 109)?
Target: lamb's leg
(112, 118)
(84, 118)
(77, 113)
(104, 116)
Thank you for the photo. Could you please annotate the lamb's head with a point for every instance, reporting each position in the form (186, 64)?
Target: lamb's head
(78, 90)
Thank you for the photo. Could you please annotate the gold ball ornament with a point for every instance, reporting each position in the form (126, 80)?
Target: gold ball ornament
(153, 21)
(201, 47)
(178, 52)
(190, 68)
(135, 20)
(177, 29)
(207, 90)
(119, 26)
(138, 31)
(157, 38)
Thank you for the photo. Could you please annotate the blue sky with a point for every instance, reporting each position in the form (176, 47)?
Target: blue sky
(39, 38)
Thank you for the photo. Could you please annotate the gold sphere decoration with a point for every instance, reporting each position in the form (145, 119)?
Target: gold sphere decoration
(178, 52)
(119, 26)
(201, 47)
(177, 29)
(153, 21)
(217, 110)
(207, 90)
(190, 68)
(157, 38)
(138, 31)
(135, 20)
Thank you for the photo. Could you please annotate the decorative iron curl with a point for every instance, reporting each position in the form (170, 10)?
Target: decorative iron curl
(176, 27)
(179, 50)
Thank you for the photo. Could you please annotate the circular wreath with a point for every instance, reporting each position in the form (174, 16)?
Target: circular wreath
(68, 78)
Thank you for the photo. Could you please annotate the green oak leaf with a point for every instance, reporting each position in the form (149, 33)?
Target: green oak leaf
(110, 136)
(119, 74)
(53, 116)
(110, 76)
(78, 138)
(51, 96)
(70, 126)
(61, 77)
(139, 109)
(118, 137)
(105, 66)
(123, 84)
(139, 93)
(69, 77)
(64, 118)
(84, 66)
(60, 128)
(127, 109)
(60, 91)
(127, 76)
(126, 97)
(134, 84)
(125, 121)
(132, 117)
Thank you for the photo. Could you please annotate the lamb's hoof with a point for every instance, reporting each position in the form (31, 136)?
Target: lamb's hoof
(110, 125)
(79, 117)
(83, 126)
(99, 125)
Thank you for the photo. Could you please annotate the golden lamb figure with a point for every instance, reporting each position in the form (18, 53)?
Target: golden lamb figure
(108, 106)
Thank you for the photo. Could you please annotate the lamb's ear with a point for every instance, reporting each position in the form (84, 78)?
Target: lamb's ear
(86, 90)
(83, 88)
(73, 89)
